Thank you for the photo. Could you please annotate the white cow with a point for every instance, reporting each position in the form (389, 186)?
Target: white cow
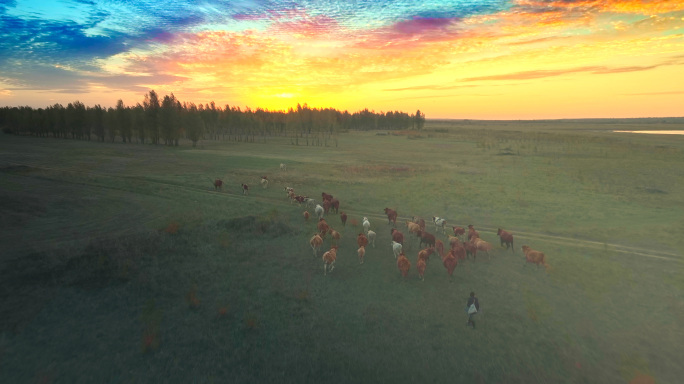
(366, 225)
(371, 238)
(283, 167)
(319, 211)
(396, 248)
(439, 222)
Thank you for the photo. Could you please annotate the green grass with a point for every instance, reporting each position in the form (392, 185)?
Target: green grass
(121, 263)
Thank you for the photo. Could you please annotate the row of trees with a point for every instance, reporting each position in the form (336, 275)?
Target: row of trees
(166, 120)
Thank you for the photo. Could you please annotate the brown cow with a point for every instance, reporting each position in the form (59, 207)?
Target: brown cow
(420, 265)
(426, 238)
(403, 264)
(458, 232)
(361, 252)
(535, 257)
(306, 215)
(334, 236)
(472, 232)
(343, 217)
(450, 262)
(316, 242)
(218, 184)
(506, 238)
(481, 245)
(361, 240)
(245, 189)
(397, 236)
(424, 254)
(329, 260)
(322, 227)
(391, 216)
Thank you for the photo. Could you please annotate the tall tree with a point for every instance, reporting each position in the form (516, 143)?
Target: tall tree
(151, 106)
(420, 120)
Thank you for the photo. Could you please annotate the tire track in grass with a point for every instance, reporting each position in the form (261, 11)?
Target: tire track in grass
(596, 245)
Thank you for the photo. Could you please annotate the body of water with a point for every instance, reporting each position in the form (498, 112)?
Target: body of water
(655, 132)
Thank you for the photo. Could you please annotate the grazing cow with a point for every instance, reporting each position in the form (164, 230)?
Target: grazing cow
(326, 206)
(439, 223)
(366, 225)
(391, 216)
(264, 182)
(322, 227)
(420, 265)
(371, 238)
(403, 264)
(361, 240)
(535, 257)
(472, 232)
(288, 190)
(396, 249)
(283, 167)
(306, 215)
(316, 242)
(319, 211)
(397, 236)
(218, 184)
(343, 217)
(361, 252)
(325, 196)
(329, 259)
(458, 232)
(481, 245)
(245, 189)
(334, 236)
(426, 238)
(506, 238)
(450, 262)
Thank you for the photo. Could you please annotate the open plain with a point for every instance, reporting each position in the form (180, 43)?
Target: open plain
(122, 263)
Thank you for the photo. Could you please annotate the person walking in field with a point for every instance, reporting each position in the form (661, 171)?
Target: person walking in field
(472, 307)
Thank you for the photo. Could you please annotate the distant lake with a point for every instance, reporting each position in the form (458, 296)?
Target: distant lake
(655, 132)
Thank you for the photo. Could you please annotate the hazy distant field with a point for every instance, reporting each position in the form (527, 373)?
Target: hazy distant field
(120, 263)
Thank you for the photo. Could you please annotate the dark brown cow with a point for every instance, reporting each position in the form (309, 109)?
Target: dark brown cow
(245, 189)
(391, 216)
(343, 217)
(397, 236)
(506, 238)
(426, 238)
(458, 231)
(218, 184)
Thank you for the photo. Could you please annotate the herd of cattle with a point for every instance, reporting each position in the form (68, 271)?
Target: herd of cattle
(462, 245)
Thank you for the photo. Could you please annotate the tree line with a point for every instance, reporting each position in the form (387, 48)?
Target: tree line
(165, 120)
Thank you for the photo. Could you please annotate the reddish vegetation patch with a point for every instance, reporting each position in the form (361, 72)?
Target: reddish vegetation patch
(354, 223)
(191, 298)
(642, 379)
(172, 228)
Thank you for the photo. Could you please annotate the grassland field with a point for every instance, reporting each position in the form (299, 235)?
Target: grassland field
(120, 263)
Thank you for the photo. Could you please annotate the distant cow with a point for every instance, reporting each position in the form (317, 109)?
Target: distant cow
(283, 167)
(218, 184)
(506, 238)
(245, 189)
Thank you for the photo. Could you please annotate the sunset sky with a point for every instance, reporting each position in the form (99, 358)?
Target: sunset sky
(463, 59)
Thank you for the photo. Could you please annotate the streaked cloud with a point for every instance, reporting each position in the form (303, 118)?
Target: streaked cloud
(272, 52)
